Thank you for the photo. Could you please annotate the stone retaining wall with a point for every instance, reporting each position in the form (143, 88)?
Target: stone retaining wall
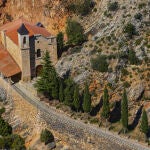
(76, 128)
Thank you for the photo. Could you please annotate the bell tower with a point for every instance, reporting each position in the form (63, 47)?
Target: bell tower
(23, 42)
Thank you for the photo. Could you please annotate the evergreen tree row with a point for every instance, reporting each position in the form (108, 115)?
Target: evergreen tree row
(68, 92)
(65, 90)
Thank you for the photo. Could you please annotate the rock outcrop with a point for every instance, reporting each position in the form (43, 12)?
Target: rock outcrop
(136, 91)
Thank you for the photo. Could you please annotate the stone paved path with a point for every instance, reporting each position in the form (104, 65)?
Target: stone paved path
(76, 127)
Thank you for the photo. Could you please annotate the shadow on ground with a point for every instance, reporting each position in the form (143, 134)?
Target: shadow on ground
(135, 122)
(115, 114)
(97, 108)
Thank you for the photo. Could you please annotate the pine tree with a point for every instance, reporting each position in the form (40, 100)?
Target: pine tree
(43, 84)
(124, 111)
(144, 123)
(87, 100)
(61, 91)
(48, 81)
(106, 108)
(76, 98)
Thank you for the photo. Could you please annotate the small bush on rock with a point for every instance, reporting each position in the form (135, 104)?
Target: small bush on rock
(113, 6)
(46, 136)
(100, 63)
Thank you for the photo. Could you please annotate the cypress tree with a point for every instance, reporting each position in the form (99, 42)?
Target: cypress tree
(43, 84)
(124, 111)
(144, 123)
(60, 43)
(61, 92)
(76, 98)
(87, 100)
(55, 85)
(69, 90)
(106, 109)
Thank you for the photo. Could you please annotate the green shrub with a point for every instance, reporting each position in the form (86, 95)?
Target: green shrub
(2, 110)
(46, 136)
(107, 14)
(75, 32)
(95, 10)
(141, 5)
(100, 63)
(138, 41)
(124, 72)
(126, 84)
(113, 6)
(5, 128)
(132, 58)
(82, 8)
(130, 30)
(138, 16)
(12, 142)
(94, 120)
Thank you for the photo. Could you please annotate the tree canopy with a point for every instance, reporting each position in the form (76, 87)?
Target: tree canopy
(12, 142)
(76, 98)
(100, 63)
(60, 43)
(86, 100)
(106, 108)
(75, 32)
(48, 80)
(144, 123)
(130, 30)
(5, 128)
(69, 91)
(82, 8)
(124, 111)
(132, 58)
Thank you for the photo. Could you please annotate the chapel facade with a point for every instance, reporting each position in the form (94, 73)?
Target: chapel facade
(22, 47)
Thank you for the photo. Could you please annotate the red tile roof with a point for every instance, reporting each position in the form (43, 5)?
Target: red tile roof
(7, 64)
(12, 27)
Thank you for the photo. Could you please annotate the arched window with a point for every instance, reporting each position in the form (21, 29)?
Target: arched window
(38, 54)
(24, 40)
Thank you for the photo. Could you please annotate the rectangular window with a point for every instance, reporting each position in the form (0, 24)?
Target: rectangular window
(38, 53)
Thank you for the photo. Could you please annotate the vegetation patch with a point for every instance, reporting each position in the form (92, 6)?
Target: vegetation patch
(46, 136)
(113, 6)
(100, 63)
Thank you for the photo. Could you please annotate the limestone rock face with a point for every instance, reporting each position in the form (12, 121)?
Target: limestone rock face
(112, 77)
(77, 64)
(147, 94)
(51, 145)
(135, 91)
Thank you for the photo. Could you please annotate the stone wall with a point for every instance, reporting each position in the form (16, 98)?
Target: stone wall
(44, 44)
(77, 129)
(14, 51)
(26, 70)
